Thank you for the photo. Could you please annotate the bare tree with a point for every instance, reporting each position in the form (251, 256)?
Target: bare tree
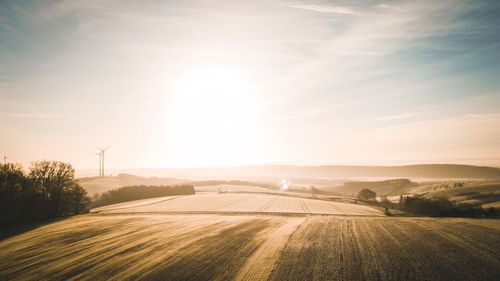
(57, 185)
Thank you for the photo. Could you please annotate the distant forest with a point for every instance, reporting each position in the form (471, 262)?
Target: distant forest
(442, 207)
(420, 206)
(129, 193)
(48, 190)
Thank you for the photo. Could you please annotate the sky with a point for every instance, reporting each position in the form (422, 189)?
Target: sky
(226, 83)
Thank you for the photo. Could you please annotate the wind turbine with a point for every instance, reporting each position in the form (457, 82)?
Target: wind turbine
(4, 159)
(100, 162)
(102, 159)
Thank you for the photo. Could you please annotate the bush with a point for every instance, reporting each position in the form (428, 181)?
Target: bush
(367, 195)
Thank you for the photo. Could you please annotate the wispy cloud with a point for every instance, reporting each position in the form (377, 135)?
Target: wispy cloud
(396, 117)
(34, 116)
(295, 116)
(324, 8)
(390, 7)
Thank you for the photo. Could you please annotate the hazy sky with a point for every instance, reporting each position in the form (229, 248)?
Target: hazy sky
(217, 83)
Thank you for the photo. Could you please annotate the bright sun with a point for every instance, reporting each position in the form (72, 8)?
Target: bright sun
(214, 119)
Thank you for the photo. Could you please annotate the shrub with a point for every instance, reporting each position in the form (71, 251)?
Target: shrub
(367, 195)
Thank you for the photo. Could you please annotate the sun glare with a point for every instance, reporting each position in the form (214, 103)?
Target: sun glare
(213, 119)
(284, 184)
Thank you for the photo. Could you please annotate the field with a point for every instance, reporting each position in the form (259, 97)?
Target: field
(233, 188)
(252, 237)
(230, 203)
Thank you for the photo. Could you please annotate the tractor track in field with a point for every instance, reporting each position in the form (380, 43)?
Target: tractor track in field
(304, 207)
(260, 265)
(267, 205)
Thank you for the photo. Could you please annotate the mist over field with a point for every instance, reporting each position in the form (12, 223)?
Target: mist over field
(250, 140)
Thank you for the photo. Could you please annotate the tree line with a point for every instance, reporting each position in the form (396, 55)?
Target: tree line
(136, 192)
(48, 190)
(421, 206)
(443, 207)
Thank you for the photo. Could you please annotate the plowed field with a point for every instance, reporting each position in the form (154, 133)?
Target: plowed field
(239, 203)
(132, 242)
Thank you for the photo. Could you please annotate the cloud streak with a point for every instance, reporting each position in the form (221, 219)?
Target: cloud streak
(326, 8)
(396, 117)
(34, 116)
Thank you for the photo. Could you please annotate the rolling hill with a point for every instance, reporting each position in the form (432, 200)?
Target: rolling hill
(102, 184)
(408, 171)
(386, 187)
(323, 175)
(486, 195)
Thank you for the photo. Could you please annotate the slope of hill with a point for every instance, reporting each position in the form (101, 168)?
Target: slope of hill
(217, 247)
(386, 187)
(487, 195)
(103, 184)
(319, 175)
(409, 171)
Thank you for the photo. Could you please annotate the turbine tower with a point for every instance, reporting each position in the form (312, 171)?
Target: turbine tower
(100, 162)
(101, 166)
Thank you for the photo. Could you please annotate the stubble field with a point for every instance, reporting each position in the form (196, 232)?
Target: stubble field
(239, 203)
(123, 245)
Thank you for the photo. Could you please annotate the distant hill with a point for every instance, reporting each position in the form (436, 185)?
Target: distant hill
(324, 175)
(320, 176)
(103, 184)
(410, 171)
(386, 187)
